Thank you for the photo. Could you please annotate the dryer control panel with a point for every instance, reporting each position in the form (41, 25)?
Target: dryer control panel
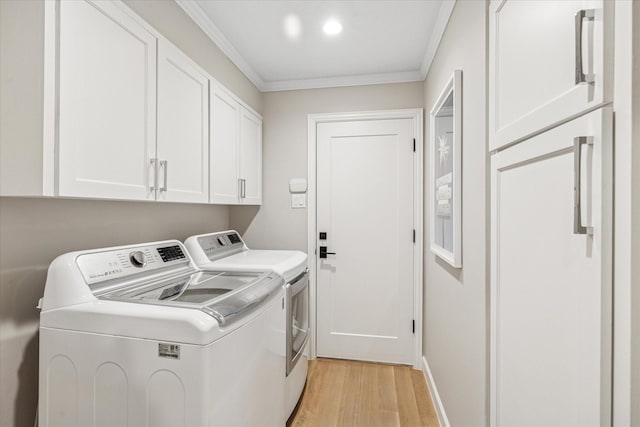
(218, 245)
(102, 266)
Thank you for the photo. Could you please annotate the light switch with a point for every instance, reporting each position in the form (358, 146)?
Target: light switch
(298, 201)
(298, 185)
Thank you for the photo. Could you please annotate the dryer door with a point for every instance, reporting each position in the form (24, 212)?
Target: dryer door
(297, 318)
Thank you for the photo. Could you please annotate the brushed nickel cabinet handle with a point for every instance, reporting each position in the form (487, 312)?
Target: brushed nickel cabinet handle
(578, 142)
(154, 170)
(581, 15)
(164, 164)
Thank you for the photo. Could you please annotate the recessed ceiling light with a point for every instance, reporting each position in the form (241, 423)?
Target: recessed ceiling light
(332, 27)
(292, 26)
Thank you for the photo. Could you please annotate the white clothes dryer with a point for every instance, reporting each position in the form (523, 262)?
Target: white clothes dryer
(226, 250)
(137, 335)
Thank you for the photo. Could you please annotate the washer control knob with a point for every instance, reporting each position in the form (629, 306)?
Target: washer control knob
(138, 259)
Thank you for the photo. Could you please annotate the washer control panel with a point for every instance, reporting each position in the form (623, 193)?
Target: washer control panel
(101, 266)
(138, 259)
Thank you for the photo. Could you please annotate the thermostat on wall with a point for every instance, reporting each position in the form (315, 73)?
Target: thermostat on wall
(298, 185)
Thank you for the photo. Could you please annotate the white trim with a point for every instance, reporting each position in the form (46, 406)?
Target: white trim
(50, 100)
(435, 396)
(312, 121)
(444, 14)
(342, 81)
(623, 215)
(196, 13)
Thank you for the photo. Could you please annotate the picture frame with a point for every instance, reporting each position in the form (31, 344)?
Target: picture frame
(445, 210)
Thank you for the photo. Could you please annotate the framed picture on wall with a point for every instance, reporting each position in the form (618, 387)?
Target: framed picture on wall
(446, 172)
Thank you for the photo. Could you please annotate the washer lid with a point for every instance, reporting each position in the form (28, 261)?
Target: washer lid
(223, 295)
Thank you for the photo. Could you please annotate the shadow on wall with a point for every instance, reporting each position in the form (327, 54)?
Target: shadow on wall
(20, 289)
(25, 404)
(241, 217)
(456, 273)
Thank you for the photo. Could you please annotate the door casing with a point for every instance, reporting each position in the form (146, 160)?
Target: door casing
(416, 114)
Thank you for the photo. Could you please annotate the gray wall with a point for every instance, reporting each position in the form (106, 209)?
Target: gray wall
(276, 225)
(35, 230)
(21, 96)
(455, 301)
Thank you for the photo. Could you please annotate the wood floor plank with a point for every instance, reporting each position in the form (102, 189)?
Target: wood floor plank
(388, 400)
(369, 401)
(428, 416)
(407, 406)
(350, 396)
(342, 393)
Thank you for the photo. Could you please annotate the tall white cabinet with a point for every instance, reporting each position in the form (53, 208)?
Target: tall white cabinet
(107, 101)
(551, 213)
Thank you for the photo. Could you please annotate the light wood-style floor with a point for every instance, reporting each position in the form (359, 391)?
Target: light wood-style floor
(341, 393)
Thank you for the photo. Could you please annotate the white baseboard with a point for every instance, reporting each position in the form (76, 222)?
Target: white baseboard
(435, 397)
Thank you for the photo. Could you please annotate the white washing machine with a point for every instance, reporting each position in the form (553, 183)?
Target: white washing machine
(137, 335)
(226, 250)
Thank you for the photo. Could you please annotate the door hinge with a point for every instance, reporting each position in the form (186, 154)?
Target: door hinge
(413, 326)
(414, 145)
(414, 235)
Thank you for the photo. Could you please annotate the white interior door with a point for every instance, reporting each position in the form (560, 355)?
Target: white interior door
(551, 287)
(365, 205)
(183, 128)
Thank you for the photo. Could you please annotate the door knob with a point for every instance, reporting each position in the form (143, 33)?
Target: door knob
(324, 253)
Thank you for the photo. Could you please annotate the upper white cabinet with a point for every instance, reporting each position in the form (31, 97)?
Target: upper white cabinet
(107, 102)
(127, 115)
(550, 61)
(236, 151)
(225, 132)
(182, 159)
(250, 158)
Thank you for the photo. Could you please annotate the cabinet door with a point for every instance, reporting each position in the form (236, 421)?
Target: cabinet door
(225, 127)
(535, 50)
(183, 128)
(250, 158)
(550, 287)
(107, 103)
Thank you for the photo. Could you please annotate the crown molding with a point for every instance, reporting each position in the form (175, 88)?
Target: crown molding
(196, 13)
(341, 81)
(446, 9)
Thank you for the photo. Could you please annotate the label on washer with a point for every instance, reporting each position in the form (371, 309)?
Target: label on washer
(171, 351)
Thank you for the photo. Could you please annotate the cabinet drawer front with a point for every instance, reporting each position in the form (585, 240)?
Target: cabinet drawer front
(533, 52)
(107, 102)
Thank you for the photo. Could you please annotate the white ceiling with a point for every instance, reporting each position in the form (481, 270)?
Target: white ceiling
(381, 42)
